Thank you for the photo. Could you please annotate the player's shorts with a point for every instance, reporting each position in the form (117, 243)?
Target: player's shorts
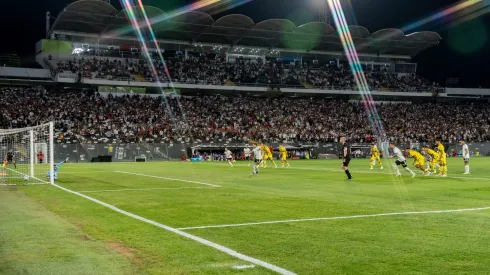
(373, 158)
(346, 163)
(10, 159)
(257, 161)
(420, 161)
(466, 159)
(247, 157)
(269, 156)
(284, 157)
(442, 161)
(402, 163)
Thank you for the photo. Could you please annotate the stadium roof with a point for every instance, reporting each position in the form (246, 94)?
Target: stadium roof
(102, 19)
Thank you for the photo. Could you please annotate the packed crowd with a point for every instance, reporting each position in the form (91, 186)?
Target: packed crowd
(89, 117)
(216, 71)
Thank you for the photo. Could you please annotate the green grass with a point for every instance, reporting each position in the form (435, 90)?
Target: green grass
(35, 241)
(442, 243)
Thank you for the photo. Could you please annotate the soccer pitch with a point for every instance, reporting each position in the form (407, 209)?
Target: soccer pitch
(209, 218)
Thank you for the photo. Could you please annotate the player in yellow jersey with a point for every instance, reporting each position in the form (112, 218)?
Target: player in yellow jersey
(268, 155)
(442, 159)
(284, 155)
(434, 158)
(419, 161)
(375, 156)
(263, 164)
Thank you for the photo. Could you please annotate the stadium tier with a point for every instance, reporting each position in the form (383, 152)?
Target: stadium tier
(132, 118)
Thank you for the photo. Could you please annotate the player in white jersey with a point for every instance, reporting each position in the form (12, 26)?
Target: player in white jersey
(247, 152)
(257, 154)
(228, 157)
(466, 157)
(400, 161)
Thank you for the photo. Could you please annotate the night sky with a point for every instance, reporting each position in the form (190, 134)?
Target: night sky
(464, 51)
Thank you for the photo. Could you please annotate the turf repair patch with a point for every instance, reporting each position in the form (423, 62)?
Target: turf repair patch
(127, 252)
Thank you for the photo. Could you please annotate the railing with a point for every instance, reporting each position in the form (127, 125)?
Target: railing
(259, 84)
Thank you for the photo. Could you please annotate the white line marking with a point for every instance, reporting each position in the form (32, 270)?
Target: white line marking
(243, 266)
(216, 246)
(22, 177)
(165, 178)
(338, 218)
(141, 189)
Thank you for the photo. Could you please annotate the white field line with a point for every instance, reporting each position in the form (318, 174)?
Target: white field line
(165, 178)
(142, 189)
(338, 218)
(22, 177)
(243, 266)
(216, 246)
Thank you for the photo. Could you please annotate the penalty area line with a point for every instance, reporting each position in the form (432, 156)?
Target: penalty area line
(165, 178)
(338, 218)
(200, 240)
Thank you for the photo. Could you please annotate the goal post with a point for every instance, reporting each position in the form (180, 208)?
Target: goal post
(27, 155)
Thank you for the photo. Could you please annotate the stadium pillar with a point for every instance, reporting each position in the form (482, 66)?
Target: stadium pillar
(51, 152)
(48, 23)
(31, 152)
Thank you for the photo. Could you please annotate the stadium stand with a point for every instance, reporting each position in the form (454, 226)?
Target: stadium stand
(132, 118)
(203, 70)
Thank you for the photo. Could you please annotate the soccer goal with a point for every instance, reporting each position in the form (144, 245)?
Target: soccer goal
(27, 155)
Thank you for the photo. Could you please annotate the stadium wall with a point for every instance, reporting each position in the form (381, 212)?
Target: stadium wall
(125, 152)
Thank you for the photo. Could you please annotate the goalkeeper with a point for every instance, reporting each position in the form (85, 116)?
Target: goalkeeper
(55, 169)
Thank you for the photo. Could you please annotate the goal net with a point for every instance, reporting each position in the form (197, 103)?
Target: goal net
(26, 155)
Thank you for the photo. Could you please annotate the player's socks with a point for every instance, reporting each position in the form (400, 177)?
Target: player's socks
(349, 176)
(409, 170)
(467, 169)
(395, 167)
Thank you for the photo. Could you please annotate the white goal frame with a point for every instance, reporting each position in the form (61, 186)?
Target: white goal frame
(32, 158)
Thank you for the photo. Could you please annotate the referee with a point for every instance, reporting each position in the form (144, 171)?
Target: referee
(346, 157)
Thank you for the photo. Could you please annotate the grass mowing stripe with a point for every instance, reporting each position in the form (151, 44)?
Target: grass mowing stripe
(353, 171)
(216, 246)
(338, 218)
(142, 189)
(165, 178)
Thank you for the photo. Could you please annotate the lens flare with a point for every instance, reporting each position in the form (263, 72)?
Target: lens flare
(356, 68)
(465, 8)
(157, 19)
(136, 26)
(215, 6)
(364, 90)
(162, 60)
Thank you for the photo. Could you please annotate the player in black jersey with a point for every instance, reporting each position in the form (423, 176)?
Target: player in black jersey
(10, 159)
(346, 156)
